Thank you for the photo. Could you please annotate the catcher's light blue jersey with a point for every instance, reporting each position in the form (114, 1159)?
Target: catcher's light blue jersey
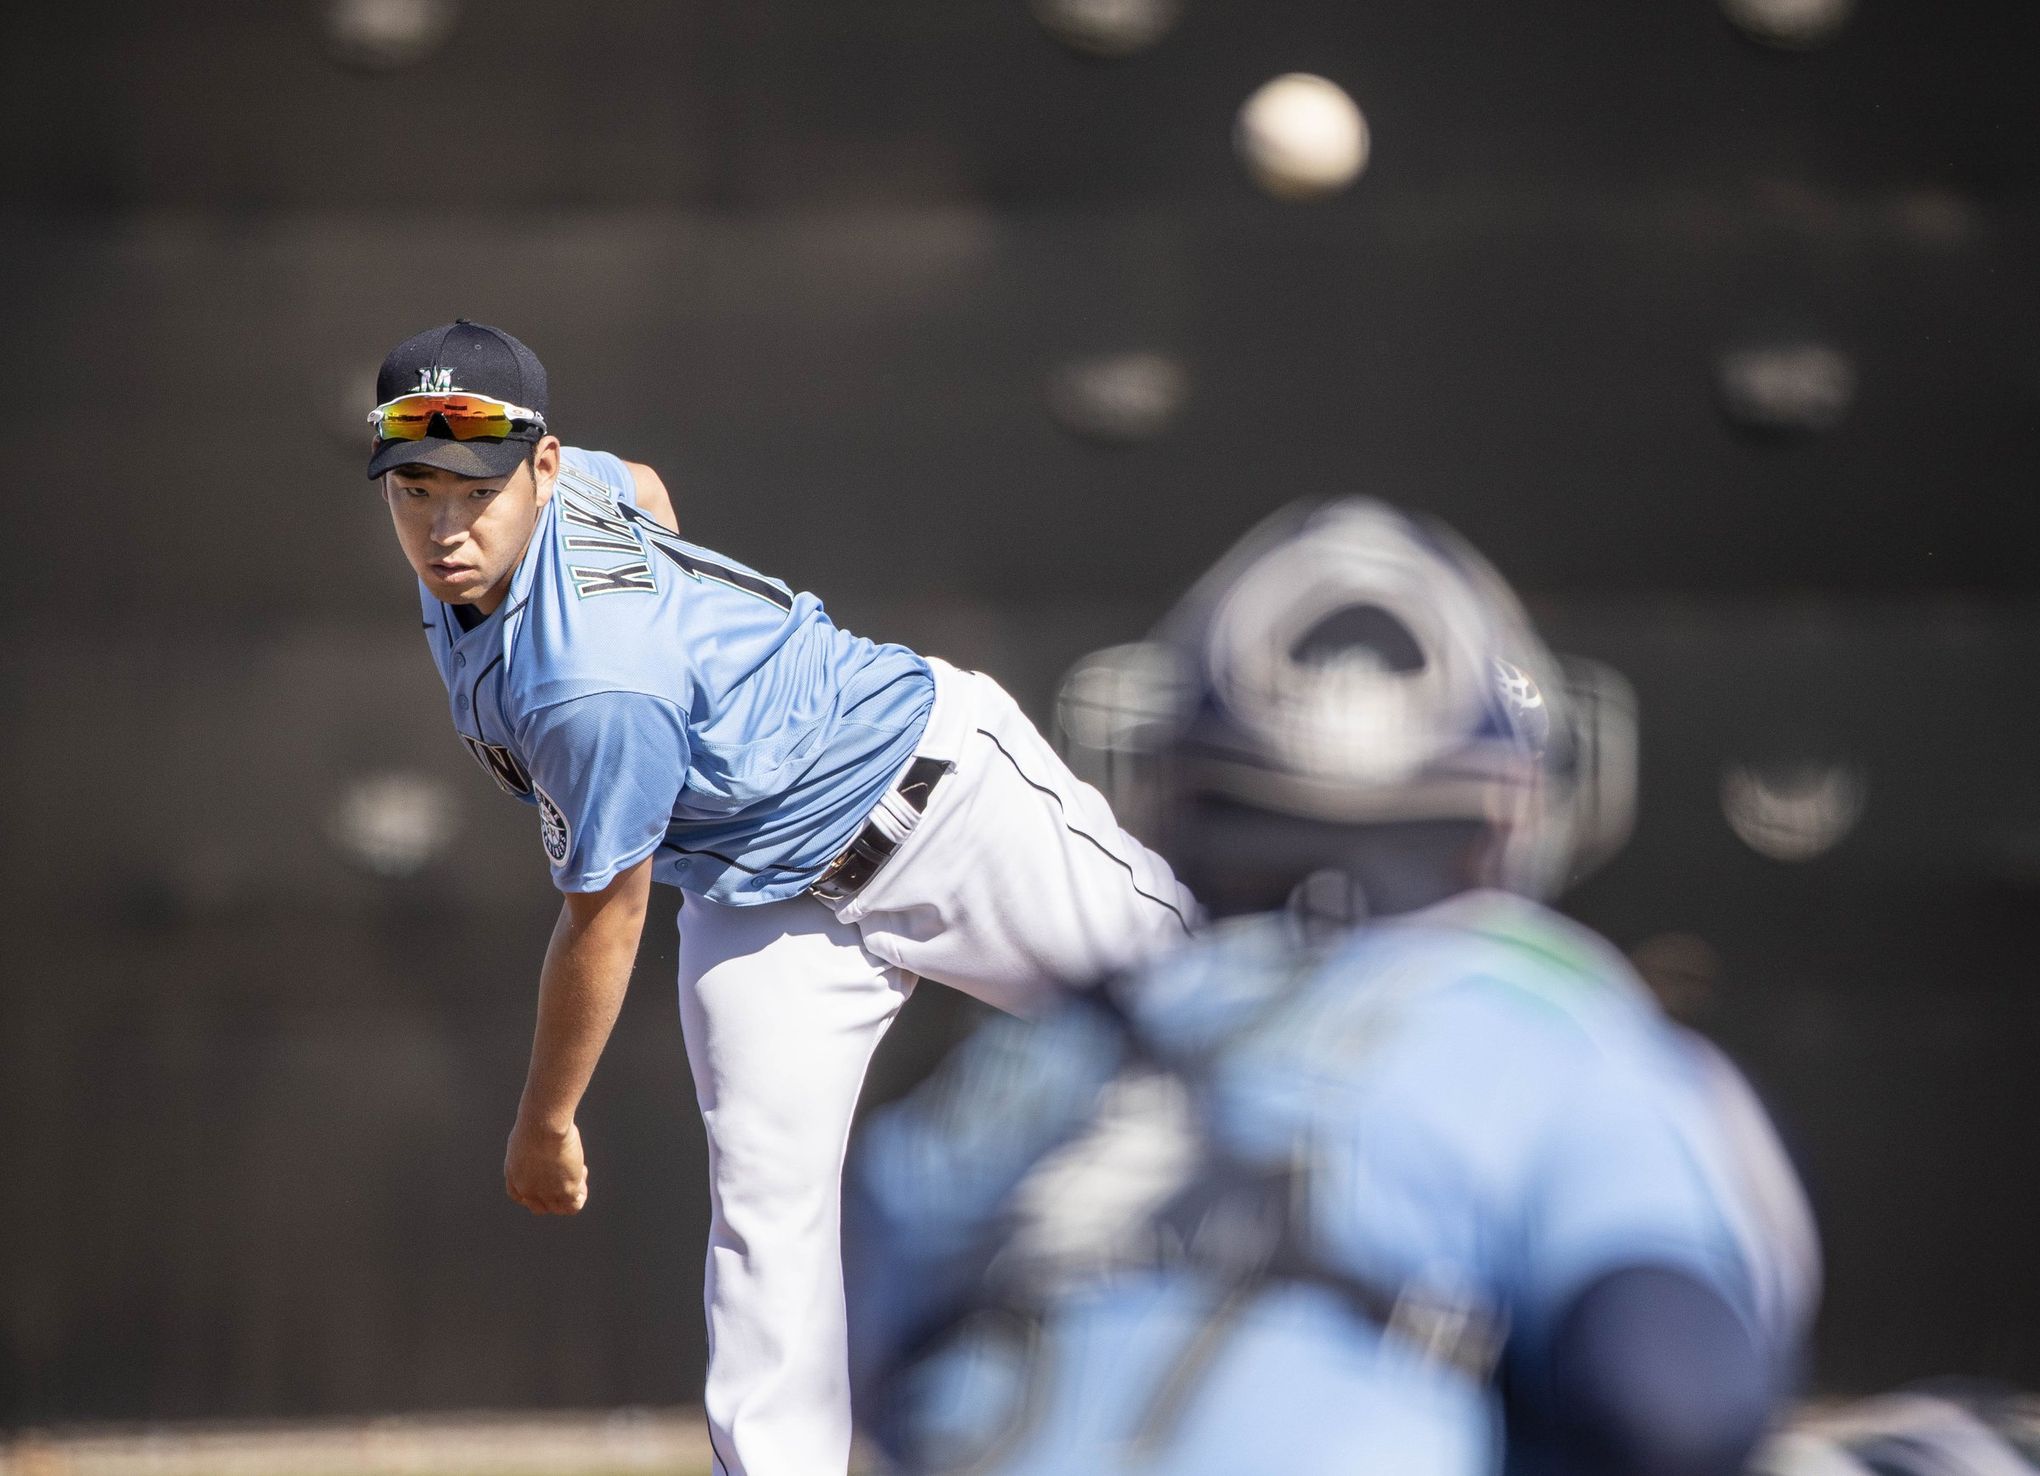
(653, 698)
(1477, 1112)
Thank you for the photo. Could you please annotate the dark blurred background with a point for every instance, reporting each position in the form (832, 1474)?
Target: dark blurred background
(1724, 350)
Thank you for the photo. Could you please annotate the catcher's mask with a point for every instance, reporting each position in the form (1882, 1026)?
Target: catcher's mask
(1352, 688)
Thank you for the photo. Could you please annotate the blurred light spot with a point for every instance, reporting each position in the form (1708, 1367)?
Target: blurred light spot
(1108, 28)
(1794, 24)
(1786, 387)
(342, 399)
(1118, 399)
(1933, 217)
(393, 824)
(381, 35)
(1301, 137)
(1793, 810)
(206, 877)
(1682, 970)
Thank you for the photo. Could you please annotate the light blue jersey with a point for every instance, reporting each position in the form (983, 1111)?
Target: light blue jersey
(652, 698)
(1475, 1113)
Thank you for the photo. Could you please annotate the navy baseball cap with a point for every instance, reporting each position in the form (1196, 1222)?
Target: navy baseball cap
(469, 357)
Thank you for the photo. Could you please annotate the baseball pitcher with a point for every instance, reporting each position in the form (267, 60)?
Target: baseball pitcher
(841, 816)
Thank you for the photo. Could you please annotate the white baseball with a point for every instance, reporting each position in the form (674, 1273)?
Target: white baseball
(1301, 137)
(1790, 23)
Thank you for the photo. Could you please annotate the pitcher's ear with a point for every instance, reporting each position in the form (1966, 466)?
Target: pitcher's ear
(545, 467)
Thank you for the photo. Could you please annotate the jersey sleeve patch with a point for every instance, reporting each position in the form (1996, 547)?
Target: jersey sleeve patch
(553, 830)
(606, 771)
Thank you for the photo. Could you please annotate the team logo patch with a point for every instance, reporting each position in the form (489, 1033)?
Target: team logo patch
(553, 830)
(1524, 702)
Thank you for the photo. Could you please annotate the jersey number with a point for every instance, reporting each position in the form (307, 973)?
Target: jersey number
(702, 568)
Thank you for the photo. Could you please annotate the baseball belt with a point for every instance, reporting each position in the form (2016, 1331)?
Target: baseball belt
(874, 845)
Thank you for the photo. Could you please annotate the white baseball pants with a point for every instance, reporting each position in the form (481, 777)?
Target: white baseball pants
(1014, 879)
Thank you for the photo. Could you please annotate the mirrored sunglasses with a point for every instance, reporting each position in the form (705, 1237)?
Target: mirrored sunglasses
(468, 417)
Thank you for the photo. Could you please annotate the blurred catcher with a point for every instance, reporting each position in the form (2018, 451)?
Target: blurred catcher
(1395, 1170)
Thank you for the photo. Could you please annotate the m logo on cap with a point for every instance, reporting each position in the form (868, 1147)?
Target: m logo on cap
(434, 381)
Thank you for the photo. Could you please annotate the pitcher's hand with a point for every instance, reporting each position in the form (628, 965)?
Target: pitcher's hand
(543, 1169)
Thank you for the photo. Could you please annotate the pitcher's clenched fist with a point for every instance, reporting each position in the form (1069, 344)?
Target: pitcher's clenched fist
(543, 1169)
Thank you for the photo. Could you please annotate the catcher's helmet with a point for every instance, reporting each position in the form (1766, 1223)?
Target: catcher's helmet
(1346, 665)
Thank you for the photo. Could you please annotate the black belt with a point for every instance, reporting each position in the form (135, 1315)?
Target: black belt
(845, 876)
